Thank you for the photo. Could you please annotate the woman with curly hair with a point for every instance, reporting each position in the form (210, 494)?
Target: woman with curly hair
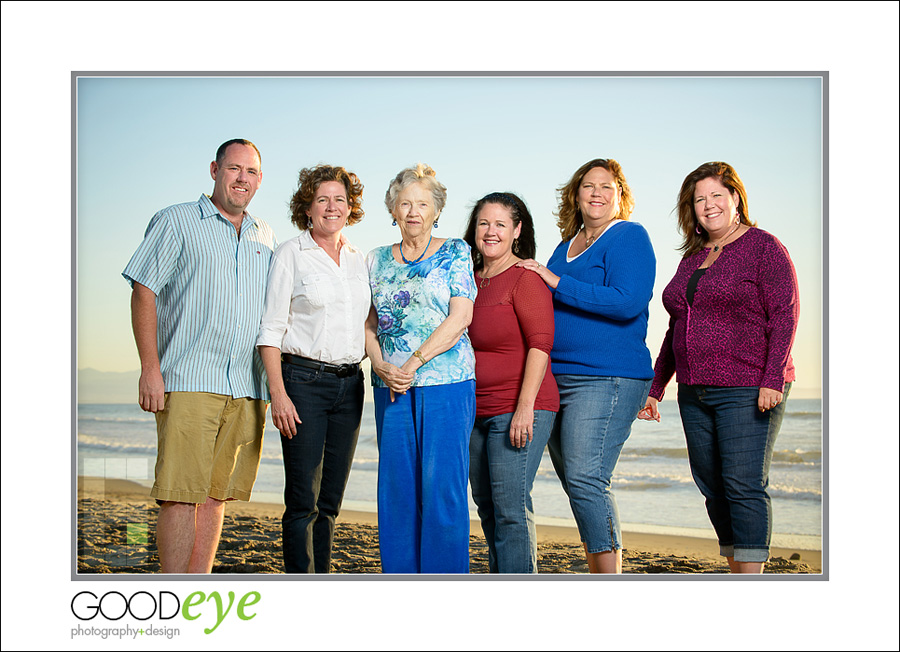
(311, 342)
(423, 364)
(601, 276)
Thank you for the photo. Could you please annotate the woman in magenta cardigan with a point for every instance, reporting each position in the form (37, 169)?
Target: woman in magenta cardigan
(733, 313)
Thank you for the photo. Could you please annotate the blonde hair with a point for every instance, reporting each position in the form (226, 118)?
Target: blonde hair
(569, 215)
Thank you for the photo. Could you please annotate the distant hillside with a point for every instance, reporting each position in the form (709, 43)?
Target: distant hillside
(107, 386)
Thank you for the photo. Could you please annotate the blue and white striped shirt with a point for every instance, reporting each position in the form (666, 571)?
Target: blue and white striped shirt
(210, 291)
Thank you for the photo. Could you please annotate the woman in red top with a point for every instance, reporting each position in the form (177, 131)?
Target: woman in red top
(515, 393)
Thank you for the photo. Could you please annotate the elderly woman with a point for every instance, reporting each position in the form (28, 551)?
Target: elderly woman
(733, 313)
(311, 341)
(423, 291)
(601, 277)
(515, 394)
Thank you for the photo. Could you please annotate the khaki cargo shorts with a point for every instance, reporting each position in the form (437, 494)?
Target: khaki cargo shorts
(208, 445)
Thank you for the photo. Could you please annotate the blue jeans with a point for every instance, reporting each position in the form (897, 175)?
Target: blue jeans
(595, 417)
(423, 473)
(730, 446)
(317, 463)
(502, 477)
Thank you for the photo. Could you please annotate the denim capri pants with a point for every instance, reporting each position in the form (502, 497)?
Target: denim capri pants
(730, 444)
(594, 420)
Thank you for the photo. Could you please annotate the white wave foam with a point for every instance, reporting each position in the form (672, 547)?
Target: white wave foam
(147, 419)
(797, 456)
(794, 493)
(89, 442)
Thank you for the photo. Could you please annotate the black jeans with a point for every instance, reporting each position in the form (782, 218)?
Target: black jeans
(317, 462)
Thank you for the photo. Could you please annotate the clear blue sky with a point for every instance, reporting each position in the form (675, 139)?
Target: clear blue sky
(145, 143)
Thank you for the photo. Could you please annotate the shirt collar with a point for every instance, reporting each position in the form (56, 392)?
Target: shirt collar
(208, 209)
(307, 242)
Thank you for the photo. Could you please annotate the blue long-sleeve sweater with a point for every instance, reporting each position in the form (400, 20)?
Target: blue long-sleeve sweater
(601, 305)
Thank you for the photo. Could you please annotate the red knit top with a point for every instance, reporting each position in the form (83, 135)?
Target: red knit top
(513, 313)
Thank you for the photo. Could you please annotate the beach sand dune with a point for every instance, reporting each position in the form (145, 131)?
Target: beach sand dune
(117, 522)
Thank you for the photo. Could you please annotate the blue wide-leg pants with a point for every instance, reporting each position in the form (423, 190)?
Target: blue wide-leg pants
(423, 474)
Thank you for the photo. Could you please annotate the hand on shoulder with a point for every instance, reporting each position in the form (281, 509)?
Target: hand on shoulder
(548, 277)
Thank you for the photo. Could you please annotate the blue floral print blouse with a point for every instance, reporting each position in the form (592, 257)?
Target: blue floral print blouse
(412, 300)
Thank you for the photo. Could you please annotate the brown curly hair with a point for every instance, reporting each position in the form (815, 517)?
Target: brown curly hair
(569, 215)
(687, 219)
(308, 184)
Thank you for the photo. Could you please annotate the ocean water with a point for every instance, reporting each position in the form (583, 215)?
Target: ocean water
(652, 482)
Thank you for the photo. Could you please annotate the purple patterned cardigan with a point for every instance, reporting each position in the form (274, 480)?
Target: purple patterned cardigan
(740, 328)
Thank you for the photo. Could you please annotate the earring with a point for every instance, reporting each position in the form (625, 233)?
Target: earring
(697, 229)
(435, 224)
(394, 223)
(515, 246)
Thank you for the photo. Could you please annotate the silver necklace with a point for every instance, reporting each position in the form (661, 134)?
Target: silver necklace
(589, 241)
(722, 241)
(486, 280)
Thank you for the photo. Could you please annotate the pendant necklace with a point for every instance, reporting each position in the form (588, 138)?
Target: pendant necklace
(486, 280)
(722, 241)
(589, 241)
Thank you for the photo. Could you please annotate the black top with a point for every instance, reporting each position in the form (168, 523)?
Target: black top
(692, 284)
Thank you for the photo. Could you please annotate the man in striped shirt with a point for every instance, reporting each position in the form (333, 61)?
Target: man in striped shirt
(198, 290)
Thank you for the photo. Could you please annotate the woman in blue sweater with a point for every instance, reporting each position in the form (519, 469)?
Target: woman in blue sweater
(601, 276)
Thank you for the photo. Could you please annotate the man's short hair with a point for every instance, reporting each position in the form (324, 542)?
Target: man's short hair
(220, 153)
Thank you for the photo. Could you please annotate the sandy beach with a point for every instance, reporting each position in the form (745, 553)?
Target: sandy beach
(117, 519)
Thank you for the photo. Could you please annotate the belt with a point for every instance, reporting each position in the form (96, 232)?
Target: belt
(339, 370)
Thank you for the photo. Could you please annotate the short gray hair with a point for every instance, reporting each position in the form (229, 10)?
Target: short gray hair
(423, 174)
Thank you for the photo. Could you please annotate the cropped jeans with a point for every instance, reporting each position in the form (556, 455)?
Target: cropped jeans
(502, 477)
(730, 444)
(317, 462)
(595, 417)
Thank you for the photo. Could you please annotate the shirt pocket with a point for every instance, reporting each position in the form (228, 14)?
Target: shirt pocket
(318, 290)
(359, 287)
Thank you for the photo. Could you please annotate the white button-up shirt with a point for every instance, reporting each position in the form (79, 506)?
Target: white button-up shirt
(314, 308)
